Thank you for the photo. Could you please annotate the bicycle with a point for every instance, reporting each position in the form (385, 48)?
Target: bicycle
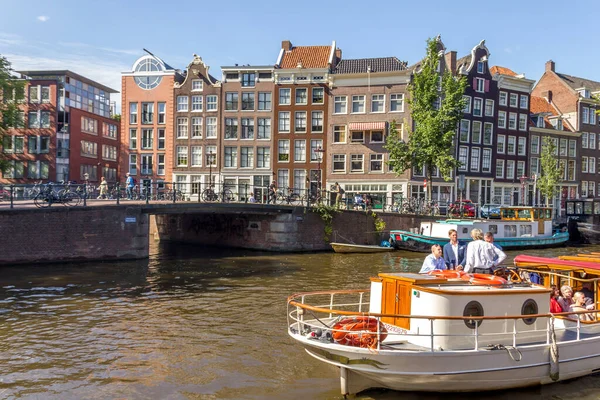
(48, 196)
(291, 198)
(313, 199)
(209, 195)
(30, 193)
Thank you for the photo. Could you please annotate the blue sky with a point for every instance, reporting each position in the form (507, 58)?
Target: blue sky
(101, 39)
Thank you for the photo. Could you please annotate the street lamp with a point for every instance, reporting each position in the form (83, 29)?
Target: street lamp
(523, 180)
(210, 163)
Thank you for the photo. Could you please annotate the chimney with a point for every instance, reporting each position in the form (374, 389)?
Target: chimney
(550, 66)
(286, 45)
(450, 58)
(336, 58)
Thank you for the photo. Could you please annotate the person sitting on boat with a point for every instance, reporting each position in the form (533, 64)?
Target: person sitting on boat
(481, 255)
(566, 298)
(434, 260)
(358, 201)
(579, 305)
(586, 289)
(454, 251)
(554, 296)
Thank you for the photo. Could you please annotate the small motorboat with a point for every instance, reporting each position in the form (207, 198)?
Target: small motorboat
(359, 248)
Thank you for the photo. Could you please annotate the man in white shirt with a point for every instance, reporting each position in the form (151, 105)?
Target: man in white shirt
(434, 260)
(481, 255)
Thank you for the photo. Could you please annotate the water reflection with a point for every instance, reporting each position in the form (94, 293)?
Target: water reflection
(190, 323)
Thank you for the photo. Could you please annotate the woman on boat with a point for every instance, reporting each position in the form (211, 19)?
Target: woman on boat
(554, 305)
(566, 300)
(579, 305)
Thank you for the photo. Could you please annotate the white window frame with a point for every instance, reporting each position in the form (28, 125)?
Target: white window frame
(182, 103)
(197, 85)
(378, 99)
(503, 98)
(340, 102)
(360, 101)
(467, 108)
(481, 106)
(397, 99)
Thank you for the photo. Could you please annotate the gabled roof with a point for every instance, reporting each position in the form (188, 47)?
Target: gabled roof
(307, 56)
(539, 105)
(577, 83)
(502, 71)
(374, 65)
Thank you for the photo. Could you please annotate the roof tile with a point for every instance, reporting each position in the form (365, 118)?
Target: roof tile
(361, 65)
(308, 56)
(502, 71)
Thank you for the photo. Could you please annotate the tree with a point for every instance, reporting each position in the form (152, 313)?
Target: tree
(551, 170)
(11, 93)
(435, 114)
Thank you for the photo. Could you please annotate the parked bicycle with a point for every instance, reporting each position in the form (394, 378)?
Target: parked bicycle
(209, 194)
(312, 198)
(48, 196)
(288, 197)
(30, 193)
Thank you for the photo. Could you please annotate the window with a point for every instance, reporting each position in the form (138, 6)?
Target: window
(91, 170)
(88, 125)
(197, 85)
(501, 119)
(377, 103)
(571, 170)
(13, 144)
(284, 121)
(45, 91)
(339, 134)
(133, 139)
(524, 101)
(467, 108)
(510, 169)
(231, 128)
(584, 189)
(283, 154)
(211, 103)
(340, 105)
(147, 139)
(486, 160)
(584, 164)
(316, 150)
(284, 96)
(480, 67)
(246, 157)
(247, 101)
(512, 121)
(182, 156)
(520, 168)
(376, 136)
(503, 98)
(160, 168)
(479, 85)
(474, 159)
(489, 108)
(510, 148)
(535, 144)
(197, 103)
(522, 146)
(585, 116)
(301, 96)
(514, 98)
(592, 165)
(248, 79)
(109, 152)
(182, 128)
(133, 164)
(318, 96)
(356, 162)
(357, 137)
(247, 128)
(358, 104)
(592, 141)
(196, 127)
(572, 148)
(488, 133)
(397, 102)
(264, 101)
(477, 107)
(476, 133)
(376, 162)
(161, 145)
(211, 127)
(500, 169)
(231, 101)
(465, 127)
(211, 156)
(317, 121)
(300, 121)
(263, 157)
(522, 122)
(592, 116)
(540, 123)
(88, 149)
(339, 163)
(133, 109)
(283, 178)
(264, 128)
(534, 166)
(182, 103)
(501, 142)
(300, 150)
(463, 154)
(230, 157)
(563, 147)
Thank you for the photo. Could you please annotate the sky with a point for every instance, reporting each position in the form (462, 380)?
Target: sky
(101, 39)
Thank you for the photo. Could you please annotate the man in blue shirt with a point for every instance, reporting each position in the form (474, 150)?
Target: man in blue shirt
(129, 183)
(434, 260)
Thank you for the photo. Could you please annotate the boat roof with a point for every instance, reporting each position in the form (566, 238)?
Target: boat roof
(555, 262)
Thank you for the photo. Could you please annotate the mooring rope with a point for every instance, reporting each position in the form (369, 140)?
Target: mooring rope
(512, 351)
(554, 367)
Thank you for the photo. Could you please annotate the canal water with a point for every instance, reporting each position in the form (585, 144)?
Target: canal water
(189, 323)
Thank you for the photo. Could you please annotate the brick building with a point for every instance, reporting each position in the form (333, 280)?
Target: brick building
(66, 131)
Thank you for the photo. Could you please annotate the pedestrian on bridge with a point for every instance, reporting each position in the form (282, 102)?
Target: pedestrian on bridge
(129, 184)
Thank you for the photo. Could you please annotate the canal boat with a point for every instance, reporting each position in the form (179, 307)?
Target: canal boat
(519, 228)
(445, 332)
(359, 248)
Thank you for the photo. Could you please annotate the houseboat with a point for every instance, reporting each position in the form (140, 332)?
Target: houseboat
(518, 228)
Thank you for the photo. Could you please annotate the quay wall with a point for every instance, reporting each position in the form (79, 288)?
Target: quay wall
(59, 234)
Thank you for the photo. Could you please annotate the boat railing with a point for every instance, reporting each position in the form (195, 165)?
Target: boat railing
(326, 313)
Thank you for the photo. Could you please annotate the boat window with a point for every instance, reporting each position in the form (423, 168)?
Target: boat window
(587, 208)
(525, 230)
(510, 231)
(570, 208)
(536, 214)
(493, 229)
(529, 307)
(525, 214)
(473, 309)
(508, 213)
(548, 214)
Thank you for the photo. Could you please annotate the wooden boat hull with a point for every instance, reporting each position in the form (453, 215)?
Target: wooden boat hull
(357, 248)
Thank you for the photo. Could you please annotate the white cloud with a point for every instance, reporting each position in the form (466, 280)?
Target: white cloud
(43, 18)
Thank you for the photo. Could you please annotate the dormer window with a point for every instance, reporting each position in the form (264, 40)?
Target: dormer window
(480, 67)
(584, 93)
(540, 123)
(559, 124)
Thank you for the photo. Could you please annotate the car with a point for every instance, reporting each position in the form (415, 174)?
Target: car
(490, 211)
(464, 208)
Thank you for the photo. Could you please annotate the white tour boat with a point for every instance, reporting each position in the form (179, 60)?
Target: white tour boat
(444, 333)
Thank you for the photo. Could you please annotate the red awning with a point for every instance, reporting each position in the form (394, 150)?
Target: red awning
(367, 126)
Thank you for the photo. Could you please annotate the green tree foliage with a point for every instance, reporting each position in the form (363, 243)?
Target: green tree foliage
(11, 93)
(551, 170)
(436, 114)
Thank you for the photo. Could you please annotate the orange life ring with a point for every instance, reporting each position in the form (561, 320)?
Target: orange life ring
(446, 273)
(486, 279)
(359, 332)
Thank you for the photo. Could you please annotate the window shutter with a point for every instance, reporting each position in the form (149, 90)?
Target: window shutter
(474, 83)
(487, 85)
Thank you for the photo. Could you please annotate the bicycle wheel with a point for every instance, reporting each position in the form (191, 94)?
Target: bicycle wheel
(295, 200)
(208, 195)
(227, 196)
(42, 200)
(70, 198)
